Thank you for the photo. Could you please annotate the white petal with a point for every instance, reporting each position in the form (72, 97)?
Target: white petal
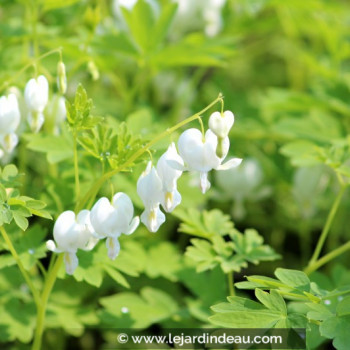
(9, 142)
(71, 262)
(204, 182)
(220, 124)
(91, 244)
(123, 203)
(171, 200)
(234, 162)
(149, 187)
(176, 165)
(35, 120)
(68, 234)
(50, 245)
(168, 174)
(102, 217)
(113, 247)
(36, 94)
(152, 219)
(133, 225)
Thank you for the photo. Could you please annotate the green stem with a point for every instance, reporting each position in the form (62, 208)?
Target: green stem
(327, 258)
(76, 169)
(92, 192)
(21, 267)
(231, 287)
(327, 226)
(49, 283)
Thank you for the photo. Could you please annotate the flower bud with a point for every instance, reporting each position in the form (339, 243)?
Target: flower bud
(61, 78)
(93, 70)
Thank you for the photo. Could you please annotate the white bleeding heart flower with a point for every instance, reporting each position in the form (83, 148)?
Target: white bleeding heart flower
(169, 176)
(71, 233)
(36, 95)
(113, 219)
(9, 120)
(150, 190)
(221, 123)
(199, 154)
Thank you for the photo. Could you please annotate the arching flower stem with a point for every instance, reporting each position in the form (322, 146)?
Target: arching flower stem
(92, 192)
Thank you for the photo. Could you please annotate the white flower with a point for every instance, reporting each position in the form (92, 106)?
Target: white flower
(9, 121)
(112, 219)
(169, 176)
(36, 95)
(199, 154)
(221, 123)
(72, 233)
(150, 190)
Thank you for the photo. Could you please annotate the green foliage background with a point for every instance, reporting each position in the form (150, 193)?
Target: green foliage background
(283, 68)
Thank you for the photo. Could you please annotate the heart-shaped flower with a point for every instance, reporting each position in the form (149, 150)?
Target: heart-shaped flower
(36, 95)
(221, 123)
(150, 190)
(169, 176)
(113, 219)
(9, 121)
(199, 154)
(71, 233)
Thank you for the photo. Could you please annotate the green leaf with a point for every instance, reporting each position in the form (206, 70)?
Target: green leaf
(137, 311)
(244, 313)
(117, 276)
(343, 308)
(56, 148)
(293, 278)
(272, 300)
(203, 253)
(156, 257)
(17, 320)
(140, 22)
(204, 224)
(79, 112)
(337, 328)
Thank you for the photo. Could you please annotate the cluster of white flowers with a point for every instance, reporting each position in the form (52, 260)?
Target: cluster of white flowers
(36, 98)
(157, 186)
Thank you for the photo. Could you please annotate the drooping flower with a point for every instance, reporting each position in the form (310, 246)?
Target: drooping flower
(112, 219)
(150, 190)
(220, 124)
(36, 95)
(71, 233)
(169, 176)
(9, 121)
(199, 154)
